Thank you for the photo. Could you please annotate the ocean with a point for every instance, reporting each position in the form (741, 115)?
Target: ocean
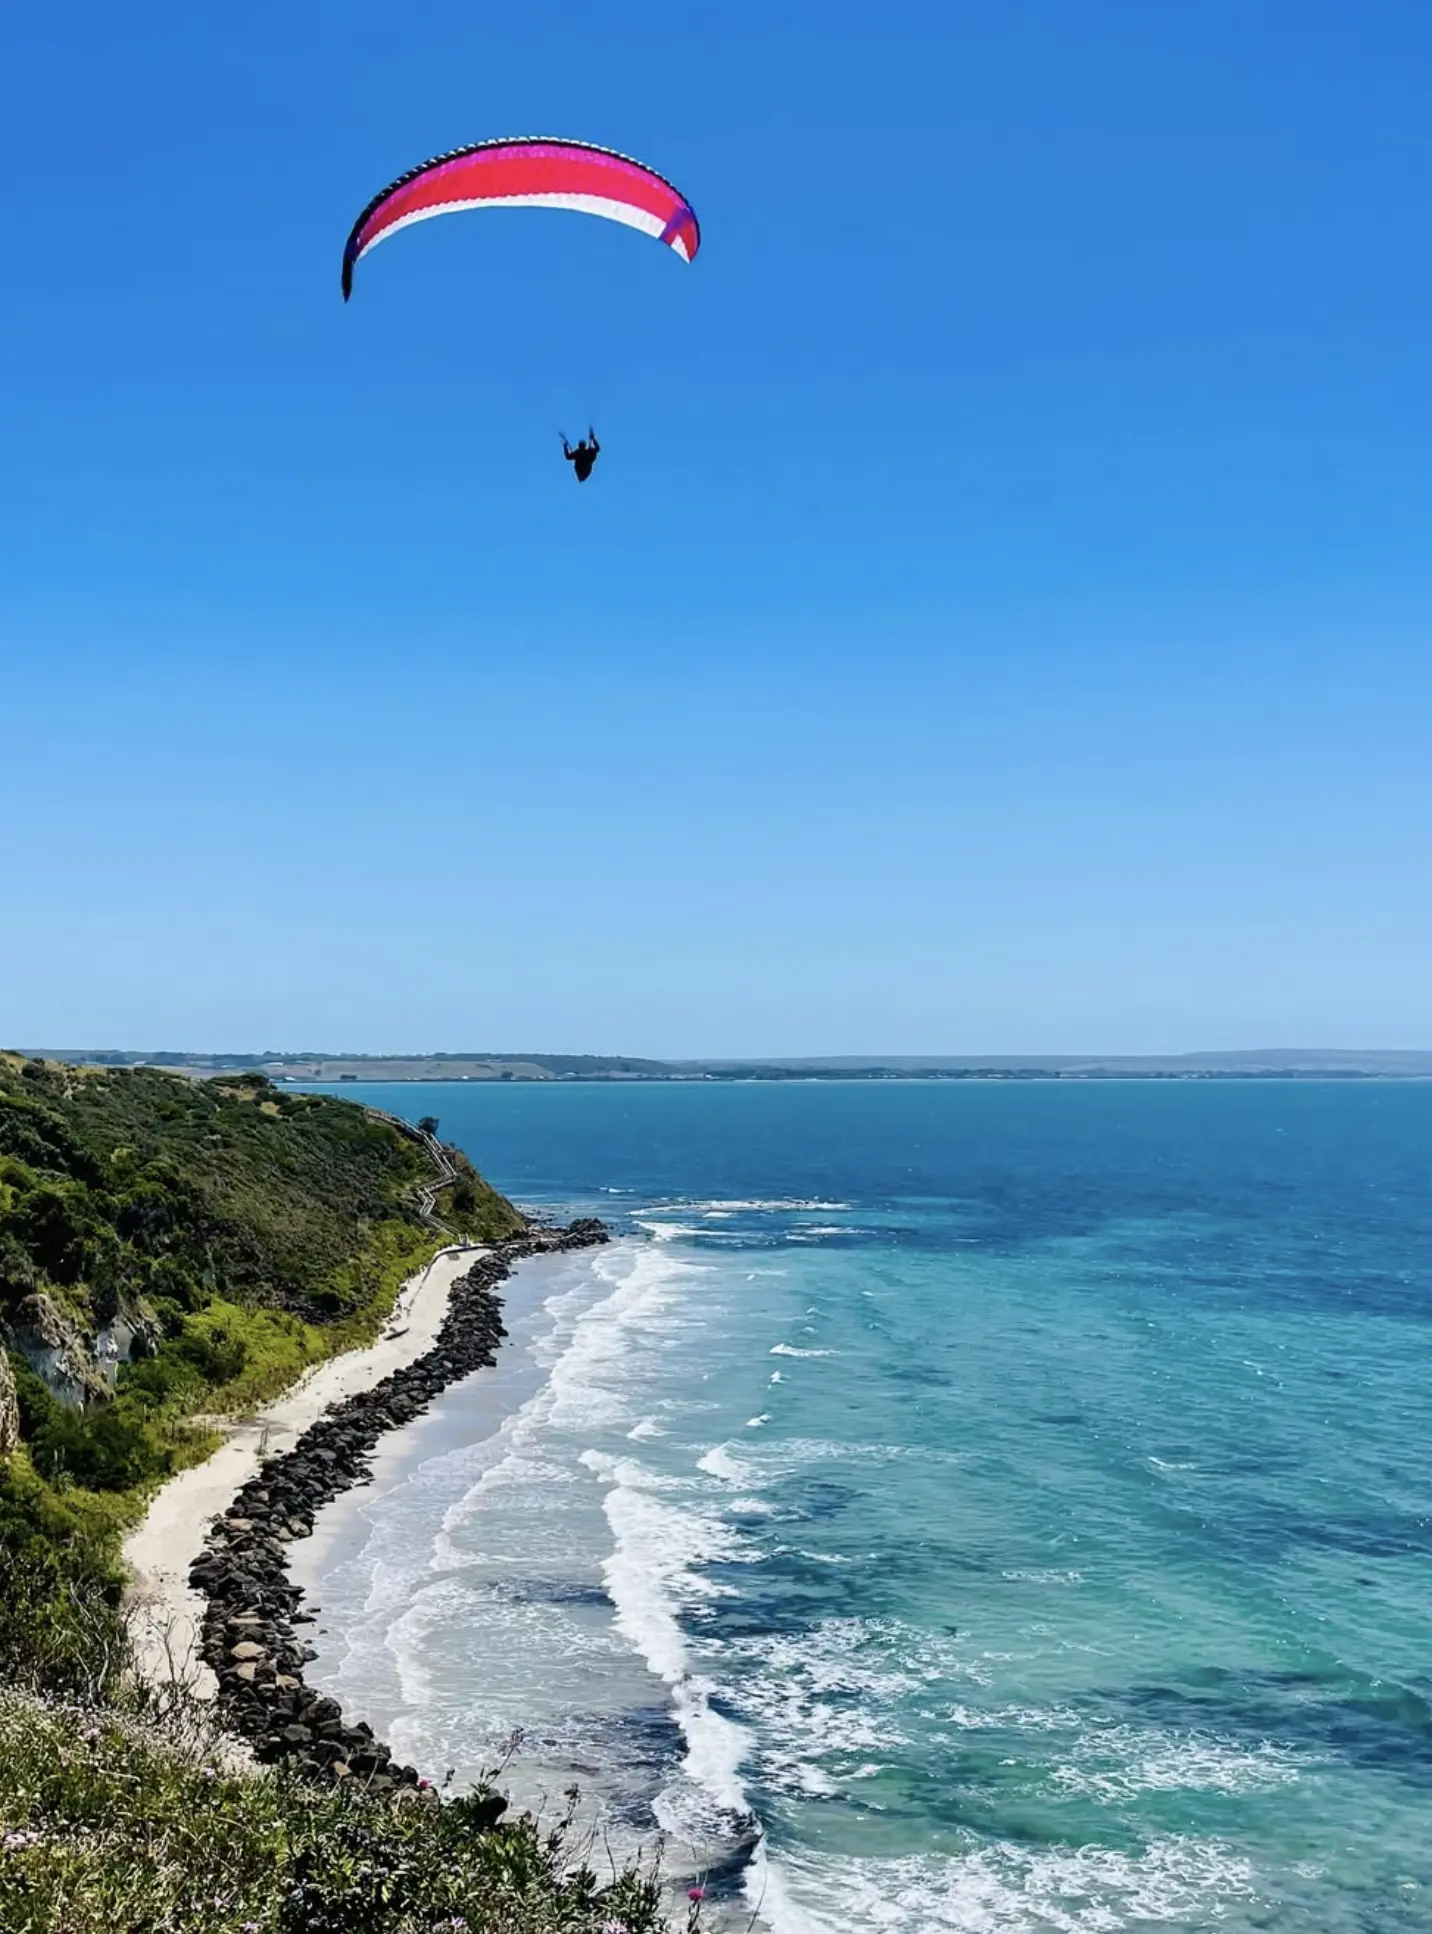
(1016, 1497)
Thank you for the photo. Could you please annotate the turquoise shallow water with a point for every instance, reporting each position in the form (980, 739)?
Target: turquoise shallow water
(1018, 1495)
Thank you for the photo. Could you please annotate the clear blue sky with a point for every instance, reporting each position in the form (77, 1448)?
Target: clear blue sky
(1000, 619)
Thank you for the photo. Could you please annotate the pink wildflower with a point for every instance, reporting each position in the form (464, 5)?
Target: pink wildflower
(696, 1893)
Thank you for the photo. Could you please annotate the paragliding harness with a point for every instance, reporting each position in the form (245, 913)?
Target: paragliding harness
(585, 454)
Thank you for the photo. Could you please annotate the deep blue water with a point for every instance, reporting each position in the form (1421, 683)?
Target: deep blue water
(1019, 1495)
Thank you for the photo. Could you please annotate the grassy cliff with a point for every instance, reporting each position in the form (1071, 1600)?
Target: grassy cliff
(169, 1249)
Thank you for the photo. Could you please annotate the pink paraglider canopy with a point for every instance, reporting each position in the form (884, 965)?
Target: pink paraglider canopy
(528, 173)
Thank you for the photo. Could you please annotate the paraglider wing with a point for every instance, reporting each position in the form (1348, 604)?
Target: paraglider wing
(528, 173)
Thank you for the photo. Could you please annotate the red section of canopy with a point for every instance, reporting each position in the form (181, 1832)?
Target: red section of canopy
(505, 170)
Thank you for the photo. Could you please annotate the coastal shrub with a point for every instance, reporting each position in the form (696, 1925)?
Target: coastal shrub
(17, 1265)
(60, 1625)
(110, 1447)
(51, 1223)
(39, 1138)
(109, 1822)
(36, 1404)
(211, 1347)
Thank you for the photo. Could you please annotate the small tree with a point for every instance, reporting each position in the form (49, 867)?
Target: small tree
(428, 1125)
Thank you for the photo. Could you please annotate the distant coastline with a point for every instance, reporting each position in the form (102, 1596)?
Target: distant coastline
(1271, 1064)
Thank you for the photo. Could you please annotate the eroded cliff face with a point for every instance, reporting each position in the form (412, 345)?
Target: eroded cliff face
(56, 1349)
(9, 1409)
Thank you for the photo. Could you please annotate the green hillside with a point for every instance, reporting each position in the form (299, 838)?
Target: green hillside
(171, 1248)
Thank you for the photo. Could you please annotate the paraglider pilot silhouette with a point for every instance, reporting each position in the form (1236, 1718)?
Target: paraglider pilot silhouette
(585, 454)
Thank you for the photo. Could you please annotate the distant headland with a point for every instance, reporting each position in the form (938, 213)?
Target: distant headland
(1243, 1064)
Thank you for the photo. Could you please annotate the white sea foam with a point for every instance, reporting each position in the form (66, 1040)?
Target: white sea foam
(1113, 1761)
(648, 1427)
(883, 1660)
(446, 1602)
(719, 1462)
(651, 1577)
(1004, 1888)
(755, 1423)
(588, 1353)
(789, 1349)
(1130, 1762)
(824, 1702)
(1025, 1719)
(775, 1377)
(665, 1231)
(649, 1296)
(781, 1456)
(751, 1205)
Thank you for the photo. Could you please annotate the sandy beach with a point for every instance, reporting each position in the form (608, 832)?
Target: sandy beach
(159, 1552)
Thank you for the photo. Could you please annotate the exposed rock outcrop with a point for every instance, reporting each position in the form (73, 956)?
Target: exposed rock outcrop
(128, 1334)
(55, 1348)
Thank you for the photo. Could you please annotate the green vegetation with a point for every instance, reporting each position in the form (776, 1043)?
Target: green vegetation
(170, 1249)
(60, 1586)
(115, 1824)
(219, 1236)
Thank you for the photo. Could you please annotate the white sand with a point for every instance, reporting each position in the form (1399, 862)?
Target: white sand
(167, 1614)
